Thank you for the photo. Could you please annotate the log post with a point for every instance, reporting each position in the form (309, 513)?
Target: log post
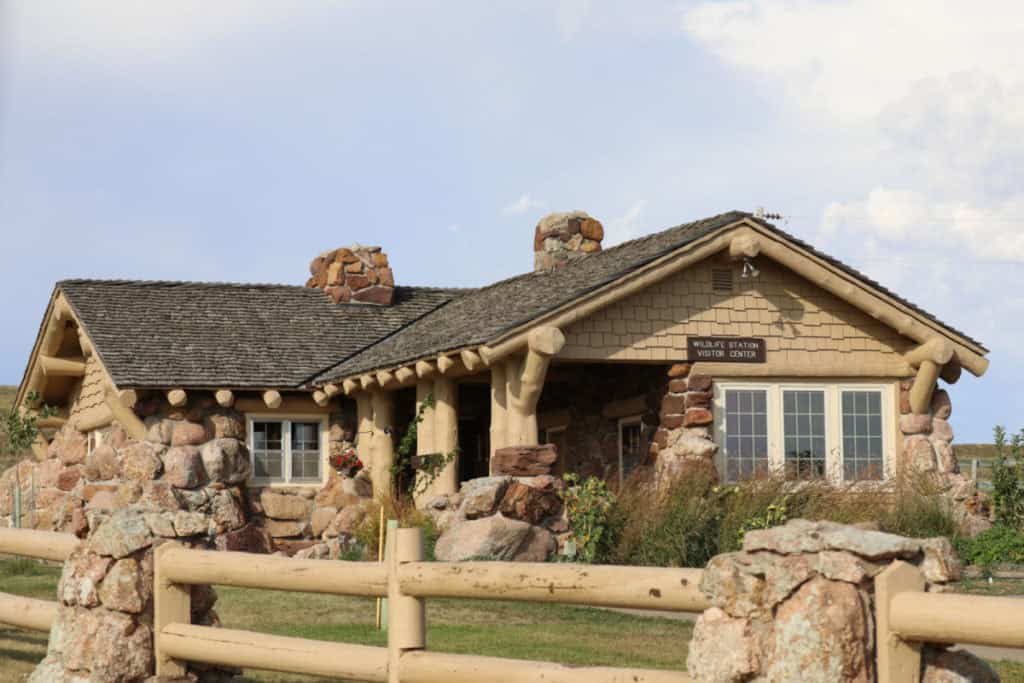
(526, 381)
(407, 619)
(924, 386)
(172, 604)
(383, 446)
(125, 415)
(424, 434)
(499, 407)
(898, 660)
(364, 429)
(446, 433)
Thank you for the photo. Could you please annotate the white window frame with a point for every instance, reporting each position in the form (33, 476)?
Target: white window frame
(627, 422)
(286, 432)
(834, 470)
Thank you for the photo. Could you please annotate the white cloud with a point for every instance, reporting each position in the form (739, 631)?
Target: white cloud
(849, 58)
(524, 204)
(627, 226)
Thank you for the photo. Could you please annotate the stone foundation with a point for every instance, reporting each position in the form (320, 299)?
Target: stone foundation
(797, 604)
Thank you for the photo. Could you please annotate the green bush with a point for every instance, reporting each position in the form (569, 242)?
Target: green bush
(1008, 479)
(998, 545)
(588, 506)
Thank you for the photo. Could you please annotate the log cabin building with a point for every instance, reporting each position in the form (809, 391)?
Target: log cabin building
(724, 344)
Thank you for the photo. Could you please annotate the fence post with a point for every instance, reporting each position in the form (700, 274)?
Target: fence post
(974, 470)
(899, 661)
(172, 604)
(406, 615)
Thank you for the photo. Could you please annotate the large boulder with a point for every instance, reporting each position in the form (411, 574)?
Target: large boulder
(183, 467)
(524, 461)
(225, 460)
(480, 497)
(529, 504)
(495, 537)
(284, 506)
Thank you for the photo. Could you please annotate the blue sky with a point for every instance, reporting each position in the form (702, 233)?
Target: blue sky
(235, 140)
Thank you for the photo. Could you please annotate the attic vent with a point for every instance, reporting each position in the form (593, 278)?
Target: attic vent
(721, 279)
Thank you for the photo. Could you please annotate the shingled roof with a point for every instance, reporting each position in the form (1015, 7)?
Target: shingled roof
(483, 315)
(158, 334)
(192, 334)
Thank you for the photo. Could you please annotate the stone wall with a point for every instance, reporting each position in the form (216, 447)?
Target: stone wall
(797, 604)
(684, 444)
(561, 238)
(354, 274)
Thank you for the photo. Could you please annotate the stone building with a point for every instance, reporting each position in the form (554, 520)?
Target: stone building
(724, 344)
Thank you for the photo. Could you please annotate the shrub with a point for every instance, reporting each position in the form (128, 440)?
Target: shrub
(20, 566)
(1000, 544)
(588, 506)
(1008, 479)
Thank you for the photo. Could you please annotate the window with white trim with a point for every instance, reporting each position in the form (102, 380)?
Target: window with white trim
(631, 442)
(834, 431)
(288, 450)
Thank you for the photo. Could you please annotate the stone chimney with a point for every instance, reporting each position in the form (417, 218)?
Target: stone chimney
(355, 274)
(561, 238)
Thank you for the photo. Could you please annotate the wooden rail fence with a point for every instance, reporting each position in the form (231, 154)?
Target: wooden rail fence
(906, 615)
(406, 581)
(28, 613)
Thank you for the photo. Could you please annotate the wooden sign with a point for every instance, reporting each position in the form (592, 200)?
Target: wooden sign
(725, 349)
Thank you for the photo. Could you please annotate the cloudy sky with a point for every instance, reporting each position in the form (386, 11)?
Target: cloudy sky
(233, 140)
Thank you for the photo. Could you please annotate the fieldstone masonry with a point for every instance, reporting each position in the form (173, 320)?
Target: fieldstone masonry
(354, 274)
(561, 238)
(683, 444)
(797, 604)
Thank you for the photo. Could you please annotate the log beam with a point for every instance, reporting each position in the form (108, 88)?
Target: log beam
(744, 245)
(385, 378)
(425, 369)
(924, 385)
(130, 422)
(272, 399)
(62, 367)
(321, 398)
(367, 381)
(350, 386)
(405, 374)
(950, 373)
(177, 397)
(471, 360)
(225, 398)
(332, 390)
(936, 349)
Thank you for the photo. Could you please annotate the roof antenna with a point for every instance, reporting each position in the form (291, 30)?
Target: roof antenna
(768, 216)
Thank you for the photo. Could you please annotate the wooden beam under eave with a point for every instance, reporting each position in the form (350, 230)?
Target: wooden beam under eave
(936, 349)
(950, 373)
(471, 359)
(332, 389)
(225, 398)
(177, 397)
(349, 386)
(52, 422)
(425, 369)
(367, 381)
(405, 374)
(127, 418)
(321, 398)
(62, 367)
(444, 364)
(744, 245)
(272, 399)
(385, 378)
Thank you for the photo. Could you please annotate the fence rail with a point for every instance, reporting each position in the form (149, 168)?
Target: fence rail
(979, 465)
(406, 580)
(27, 613)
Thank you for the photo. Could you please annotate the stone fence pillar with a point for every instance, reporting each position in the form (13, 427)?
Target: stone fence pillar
(798, 604)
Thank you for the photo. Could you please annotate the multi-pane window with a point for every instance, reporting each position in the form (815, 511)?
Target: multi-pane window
(286, 450)
(746, 433)
(803, 433)
(631, 446)
(862, 435)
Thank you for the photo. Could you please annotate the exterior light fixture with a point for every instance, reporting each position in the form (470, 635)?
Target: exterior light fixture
(749, 270)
